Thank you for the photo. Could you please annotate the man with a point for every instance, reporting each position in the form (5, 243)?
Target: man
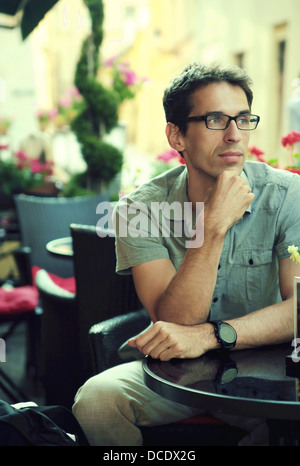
(241, 274)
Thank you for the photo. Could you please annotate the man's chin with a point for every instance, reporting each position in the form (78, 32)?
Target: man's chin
(236, 168)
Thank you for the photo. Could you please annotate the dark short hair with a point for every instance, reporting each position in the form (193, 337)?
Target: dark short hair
(177, 96)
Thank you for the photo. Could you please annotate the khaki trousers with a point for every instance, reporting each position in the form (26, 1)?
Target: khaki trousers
(112, 405)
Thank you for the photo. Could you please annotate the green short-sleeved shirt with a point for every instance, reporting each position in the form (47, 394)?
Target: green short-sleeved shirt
(248, 271)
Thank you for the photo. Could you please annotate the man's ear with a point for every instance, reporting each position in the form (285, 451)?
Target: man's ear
(174, 137)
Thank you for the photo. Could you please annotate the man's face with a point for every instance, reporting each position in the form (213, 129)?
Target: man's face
(208, 152)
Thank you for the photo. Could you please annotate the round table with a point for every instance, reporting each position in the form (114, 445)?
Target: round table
(252, 383)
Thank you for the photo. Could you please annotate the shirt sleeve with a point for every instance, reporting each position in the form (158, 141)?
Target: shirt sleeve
(289, 219)
(136, 243)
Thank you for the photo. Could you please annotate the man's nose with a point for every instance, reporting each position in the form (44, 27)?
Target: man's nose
(232, 133)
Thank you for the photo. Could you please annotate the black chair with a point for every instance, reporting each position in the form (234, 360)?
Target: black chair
(21, 305)
(67, 317)
(106, 338)
(42, 219)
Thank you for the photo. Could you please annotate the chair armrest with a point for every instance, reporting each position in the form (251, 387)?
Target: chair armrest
(106, 337)
(22, 257)
(47, 288)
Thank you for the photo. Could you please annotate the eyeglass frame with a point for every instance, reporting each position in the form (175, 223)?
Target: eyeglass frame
(230, 118)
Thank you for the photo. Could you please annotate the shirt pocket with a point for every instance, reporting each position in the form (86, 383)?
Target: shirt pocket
(249, 276)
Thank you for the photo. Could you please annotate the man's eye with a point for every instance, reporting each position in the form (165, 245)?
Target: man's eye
(214, 120)
(244, 120)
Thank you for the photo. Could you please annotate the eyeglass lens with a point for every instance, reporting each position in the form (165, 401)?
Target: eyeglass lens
(219, 121)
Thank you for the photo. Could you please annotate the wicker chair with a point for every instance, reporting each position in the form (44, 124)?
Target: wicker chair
(42, 219)
(105, 340)
(67, 317)
(17, 306)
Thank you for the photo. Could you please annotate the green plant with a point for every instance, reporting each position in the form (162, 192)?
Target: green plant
(22, 173)
(98, 116)
(124, 80)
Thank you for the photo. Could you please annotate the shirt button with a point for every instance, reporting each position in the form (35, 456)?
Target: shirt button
(251, 261)
(215, 300)
(219, 266)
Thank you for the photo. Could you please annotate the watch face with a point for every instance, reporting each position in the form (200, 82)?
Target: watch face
(227, 333)
(228, 375)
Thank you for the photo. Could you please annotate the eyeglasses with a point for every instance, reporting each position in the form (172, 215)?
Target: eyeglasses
(220, 121)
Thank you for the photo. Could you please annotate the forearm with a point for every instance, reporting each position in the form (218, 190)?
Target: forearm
(271, 325)
(187, 299)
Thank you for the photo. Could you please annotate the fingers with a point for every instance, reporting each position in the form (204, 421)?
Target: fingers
(156, 342)
(151, 338)
(166, 340)
(234, 182)
(227, 202)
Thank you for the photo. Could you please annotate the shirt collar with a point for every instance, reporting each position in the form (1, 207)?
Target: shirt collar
(177, 193)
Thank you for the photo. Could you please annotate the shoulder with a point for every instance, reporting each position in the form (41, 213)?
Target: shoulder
(260, 174)
(160, 187)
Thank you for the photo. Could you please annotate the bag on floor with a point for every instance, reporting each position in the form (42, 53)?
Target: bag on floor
(39, 426)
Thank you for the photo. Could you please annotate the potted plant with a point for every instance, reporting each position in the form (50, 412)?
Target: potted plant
(98, 115)
(21, 173)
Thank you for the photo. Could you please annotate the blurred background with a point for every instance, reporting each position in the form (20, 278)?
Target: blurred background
(155, 39)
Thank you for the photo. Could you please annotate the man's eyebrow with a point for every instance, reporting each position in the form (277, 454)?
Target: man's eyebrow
(242, 112)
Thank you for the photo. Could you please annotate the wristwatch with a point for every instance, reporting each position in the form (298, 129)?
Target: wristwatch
(227, 372)
(225, 333)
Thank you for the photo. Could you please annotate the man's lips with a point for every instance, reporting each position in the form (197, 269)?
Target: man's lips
(231, 156)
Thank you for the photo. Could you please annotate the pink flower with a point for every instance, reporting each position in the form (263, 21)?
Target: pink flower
(65, 101)
(40, 114)
(53, 113)
(73, 91)
(3, 146)
(253, 150)
(130, 77)
(35, 166)
(110, 61)
(21, 155)
(168, 155)
(291, 138)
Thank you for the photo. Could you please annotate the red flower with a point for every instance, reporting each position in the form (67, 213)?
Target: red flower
(291, 138)
(253, 150)
(21, 155)
(168, 155)
(293, 170)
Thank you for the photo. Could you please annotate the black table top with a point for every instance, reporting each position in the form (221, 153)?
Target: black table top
(252, 382)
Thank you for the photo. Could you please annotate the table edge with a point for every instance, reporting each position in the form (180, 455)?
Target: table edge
(221, 403)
